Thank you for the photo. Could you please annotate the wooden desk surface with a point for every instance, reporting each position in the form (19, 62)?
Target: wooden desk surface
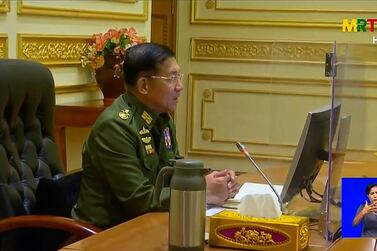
(150, 232)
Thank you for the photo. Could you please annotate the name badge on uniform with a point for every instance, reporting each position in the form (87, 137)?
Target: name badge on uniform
(167, 138)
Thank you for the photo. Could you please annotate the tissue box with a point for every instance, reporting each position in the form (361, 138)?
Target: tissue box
(230, 229)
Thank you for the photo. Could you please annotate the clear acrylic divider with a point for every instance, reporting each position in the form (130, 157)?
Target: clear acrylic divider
(331, 205)
(300, 102)
(301, 106)
(354, 163)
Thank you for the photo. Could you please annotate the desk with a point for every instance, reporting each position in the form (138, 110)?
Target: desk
(78, 114)
(149, 232)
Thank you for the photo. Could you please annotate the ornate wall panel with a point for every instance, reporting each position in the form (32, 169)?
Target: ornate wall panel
(51, 49)
(4, 5)
(268, 115)
(3, 46)
(120, 9)
(326, 14)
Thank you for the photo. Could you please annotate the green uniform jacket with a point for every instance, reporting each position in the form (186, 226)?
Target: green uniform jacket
(126, 148)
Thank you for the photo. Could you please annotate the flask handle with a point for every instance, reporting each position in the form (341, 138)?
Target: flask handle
(167, 170)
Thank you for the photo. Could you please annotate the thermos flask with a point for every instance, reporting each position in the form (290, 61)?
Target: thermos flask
(187, 213)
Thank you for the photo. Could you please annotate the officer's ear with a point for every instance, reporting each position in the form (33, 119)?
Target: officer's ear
(142, 85)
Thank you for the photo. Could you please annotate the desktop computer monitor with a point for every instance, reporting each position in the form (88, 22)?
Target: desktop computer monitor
(311, 151)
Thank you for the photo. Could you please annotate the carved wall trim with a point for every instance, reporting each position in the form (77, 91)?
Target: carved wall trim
(3, 46)
(222, 153)
(24, 8)
(258, 50)
(90, 87)
(301, 14)
(51, 49)
(4, 6)
(221, 49)
(220, 6)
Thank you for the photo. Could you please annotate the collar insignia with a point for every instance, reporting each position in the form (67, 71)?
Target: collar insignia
(124, 114)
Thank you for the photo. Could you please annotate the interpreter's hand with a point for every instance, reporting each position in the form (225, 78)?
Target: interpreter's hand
(217, 187)
(369, 208)
(233, 185)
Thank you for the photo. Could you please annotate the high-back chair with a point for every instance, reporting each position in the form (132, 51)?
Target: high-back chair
(29, 157)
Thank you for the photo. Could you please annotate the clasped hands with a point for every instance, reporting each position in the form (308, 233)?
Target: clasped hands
(221, 185)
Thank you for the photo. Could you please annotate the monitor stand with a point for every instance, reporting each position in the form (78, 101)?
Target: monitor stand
(300, 207)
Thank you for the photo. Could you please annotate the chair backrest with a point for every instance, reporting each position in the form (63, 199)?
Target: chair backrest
(27, 147)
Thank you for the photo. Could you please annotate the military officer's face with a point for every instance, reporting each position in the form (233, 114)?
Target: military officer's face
(165, 87)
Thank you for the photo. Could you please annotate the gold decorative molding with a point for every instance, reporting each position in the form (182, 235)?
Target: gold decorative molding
(299, 14)
(221, 49)
(24, 8)
(225, 5)
(122, 1)
(207, 94)
(51, 49)
(206, 135)
(210, 4)
(221, 153)
(3, 46)
(258, 50)
(4, 6)
(91, 87)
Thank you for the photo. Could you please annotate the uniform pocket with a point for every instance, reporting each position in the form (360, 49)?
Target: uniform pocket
(151, 161)
(150, 167)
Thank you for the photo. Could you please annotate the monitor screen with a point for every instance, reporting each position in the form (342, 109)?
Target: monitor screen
(311, 151)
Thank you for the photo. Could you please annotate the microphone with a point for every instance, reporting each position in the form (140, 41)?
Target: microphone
(243, 150)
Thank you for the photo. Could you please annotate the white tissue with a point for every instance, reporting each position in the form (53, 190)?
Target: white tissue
(260, 205)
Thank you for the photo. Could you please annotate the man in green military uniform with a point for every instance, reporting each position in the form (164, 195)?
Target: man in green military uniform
(133, 139)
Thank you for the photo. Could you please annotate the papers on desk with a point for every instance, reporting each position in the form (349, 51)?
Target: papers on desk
(246, 188)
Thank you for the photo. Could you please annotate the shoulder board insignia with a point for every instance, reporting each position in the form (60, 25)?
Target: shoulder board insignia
(124, 114)
(147, 118)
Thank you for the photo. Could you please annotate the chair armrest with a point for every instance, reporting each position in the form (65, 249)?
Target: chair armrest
(78, 229)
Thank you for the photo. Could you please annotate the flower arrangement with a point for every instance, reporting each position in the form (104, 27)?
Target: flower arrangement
(113, 42)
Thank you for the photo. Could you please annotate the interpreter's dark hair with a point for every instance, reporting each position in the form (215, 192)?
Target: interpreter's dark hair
(369, 187)
(144, 59)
